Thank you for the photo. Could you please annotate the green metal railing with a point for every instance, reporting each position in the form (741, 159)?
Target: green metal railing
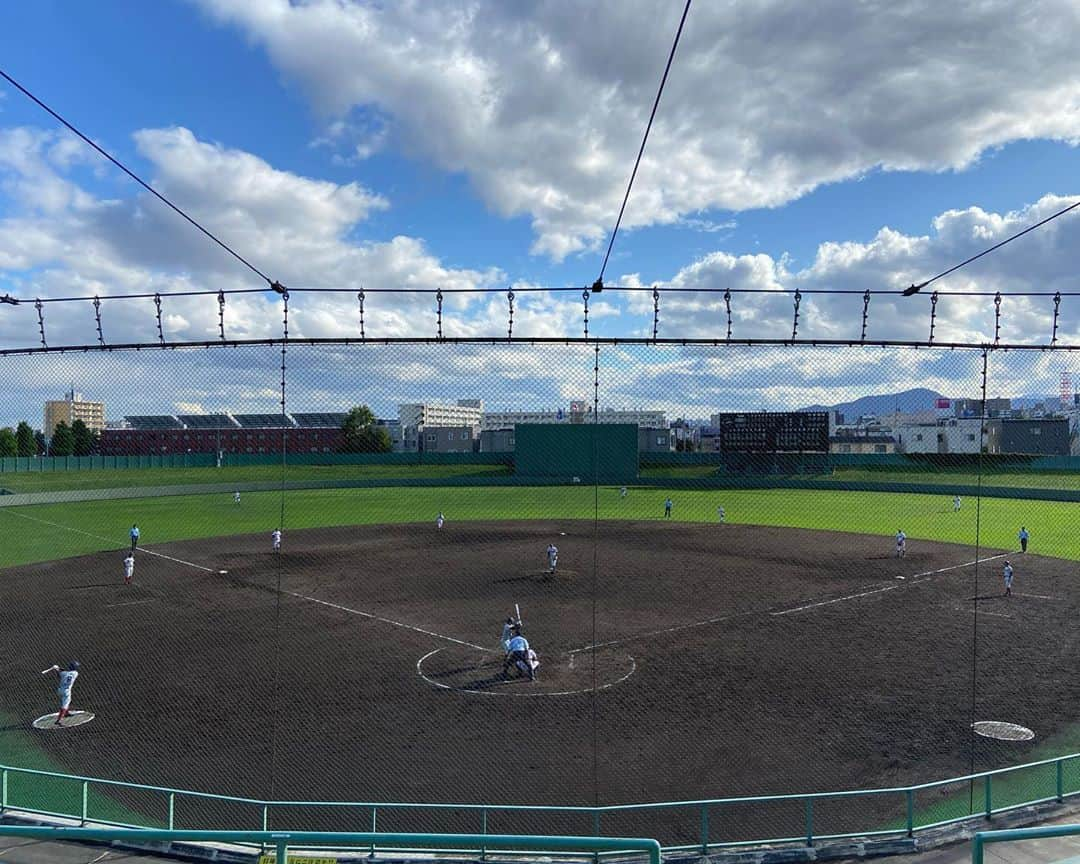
(282, 841)
(983, 838)
(805, 818)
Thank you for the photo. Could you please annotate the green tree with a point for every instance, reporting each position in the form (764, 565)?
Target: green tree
(63, 441)
(24, 439)
(85, 441)
(362, 434)
(8, 447)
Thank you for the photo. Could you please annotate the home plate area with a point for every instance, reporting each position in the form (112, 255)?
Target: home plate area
(468, 670)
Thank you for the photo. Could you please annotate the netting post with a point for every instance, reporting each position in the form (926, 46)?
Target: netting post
(172, 810)
(1060, 782)
(596, 828)
(374, 819)
(3, 789)
(989, 795)
(809, 821)
(483, 830)
(910, 812)
(704, 829)
(282, 852)
(85, 798)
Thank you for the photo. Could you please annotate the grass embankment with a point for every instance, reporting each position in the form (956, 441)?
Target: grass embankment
(112, 478)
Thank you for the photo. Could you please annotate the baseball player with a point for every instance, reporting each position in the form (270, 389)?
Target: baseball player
(956, 504)
(236, 497)
(622, 492)
(134, 534)
(129, 567)
(552, 556)
(439, 520)
(67, 681)
(720, 513)
(1007, 574)
(667, 508)
(517, 656)
(901, 544)
(275, 538)
(1023, 535)
(510, 629)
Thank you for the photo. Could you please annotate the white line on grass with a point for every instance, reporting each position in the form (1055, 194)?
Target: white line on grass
(109, 540)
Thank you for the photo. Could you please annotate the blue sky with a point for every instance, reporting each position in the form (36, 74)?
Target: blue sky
(481, 144)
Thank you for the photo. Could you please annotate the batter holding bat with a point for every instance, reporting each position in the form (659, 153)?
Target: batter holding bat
(67, 681)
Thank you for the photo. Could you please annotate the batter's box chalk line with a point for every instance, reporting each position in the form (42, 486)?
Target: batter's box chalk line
(75, 718)
(496, 686)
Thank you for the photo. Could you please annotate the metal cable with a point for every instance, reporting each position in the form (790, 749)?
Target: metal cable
(644, 139)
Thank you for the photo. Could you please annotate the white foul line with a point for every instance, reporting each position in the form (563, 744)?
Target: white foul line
(107, 540)
(290, 593)
(918, 577)
(363, 614)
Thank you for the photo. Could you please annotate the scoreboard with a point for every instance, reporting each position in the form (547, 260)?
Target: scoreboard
(773, 432)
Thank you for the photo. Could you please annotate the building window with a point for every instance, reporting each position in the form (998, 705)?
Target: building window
(431, 437)
(918, 437)
(879, 448)
(511, 440)
(660, 440)
(845, 448)
(971, 437)
(450, 436)
(1036, 431)
(940, 438)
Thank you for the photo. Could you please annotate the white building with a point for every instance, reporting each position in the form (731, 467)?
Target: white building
(464, 412)
(579, 412)
(949, 436)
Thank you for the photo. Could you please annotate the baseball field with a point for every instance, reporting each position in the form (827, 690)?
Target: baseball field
(787, 650)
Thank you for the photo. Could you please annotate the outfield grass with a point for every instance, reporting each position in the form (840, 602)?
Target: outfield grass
(26, 538)
(113, 478)
(944, 479)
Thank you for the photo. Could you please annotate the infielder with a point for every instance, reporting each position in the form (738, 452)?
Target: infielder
(1007, 574)
(67, 681)
(129, 568)
(275, 538)
(521, 657)
(956, 504)
(134, 533)
(667, 508)
(1023, 535)
(552, 556)
(901, 544)
(236, 497)
(439, 520)
(720, 513)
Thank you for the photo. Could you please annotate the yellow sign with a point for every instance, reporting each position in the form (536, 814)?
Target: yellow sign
(298, 859)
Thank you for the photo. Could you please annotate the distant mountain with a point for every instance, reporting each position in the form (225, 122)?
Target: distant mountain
(908, 402)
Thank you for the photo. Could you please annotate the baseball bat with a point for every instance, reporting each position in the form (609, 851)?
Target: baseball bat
(517, 613)
(47, 671)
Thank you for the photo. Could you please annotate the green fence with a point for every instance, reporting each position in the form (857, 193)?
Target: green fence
(368, 841)
(820, 816)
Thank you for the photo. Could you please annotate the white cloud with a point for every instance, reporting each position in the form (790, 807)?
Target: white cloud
(543, 105)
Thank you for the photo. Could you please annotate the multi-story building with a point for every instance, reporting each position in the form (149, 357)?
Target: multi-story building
(465, 412)
(1043, 437)
(450, 439)
(71, 408)
(652, 439)
(861, 443)
(960, 435)
(579, 412)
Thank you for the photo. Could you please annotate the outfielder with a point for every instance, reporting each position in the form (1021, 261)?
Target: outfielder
(552, 556)
(236, 497)
(956, 504)
(67, 681)
(134, 534)
(439, 521)
(901, 544)
(1007, 574)
(622, 492)
(720, 513)
(129, 568)
(667, 508)
(1023, 535)
(275, 538)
